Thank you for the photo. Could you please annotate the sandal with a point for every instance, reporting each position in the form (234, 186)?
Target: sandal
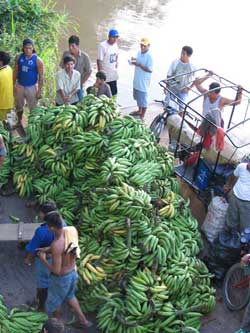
(135, 113)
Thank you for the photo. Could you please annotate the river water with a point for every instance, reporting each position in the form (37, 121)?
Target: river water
(216, 29)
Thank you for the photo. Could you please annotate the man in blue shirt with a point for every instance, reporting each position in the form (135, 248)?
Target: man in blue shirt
(42, 238)
(143, 69)
(27, 78)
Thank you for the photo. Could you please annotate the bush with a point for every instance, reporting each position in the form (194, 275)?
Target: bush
(38, 20)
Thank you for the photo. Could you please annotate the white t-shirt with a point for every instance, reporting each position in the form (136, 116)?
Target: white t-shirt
(242, 187)
(108, 54)
(67, 84)
(176, 68)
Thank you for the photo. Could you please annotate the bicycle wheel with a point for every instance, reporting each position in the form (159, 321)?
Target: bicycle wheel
(157, 126)
(236, 292)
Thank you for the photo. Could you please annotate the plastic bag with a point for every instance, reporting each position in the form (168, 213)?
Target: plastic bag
(223, 253)
(215, 219)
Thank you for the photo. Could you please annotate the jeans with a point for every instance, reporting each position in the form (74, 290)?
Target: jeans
(177, 104)
(80, 94)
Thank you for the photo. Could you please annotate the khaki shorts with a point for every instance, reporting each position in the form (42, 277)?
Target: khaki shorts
(27, 94)
(3, 113)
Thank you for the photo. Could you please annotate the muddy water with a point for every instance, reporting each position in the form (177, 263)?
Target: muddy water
(217, 31)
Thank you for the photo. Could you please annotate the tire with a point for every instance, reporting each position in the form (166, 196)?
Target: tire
(157, 126)
(235, 299)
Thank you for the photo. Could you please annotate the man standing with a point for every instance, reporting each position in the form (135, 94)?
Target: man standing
(68, 82)
(143, 69)
(41, 239)
(239, 205)
(181, 72)
(28, 78)
(63, 278)
(6, 86)
(82, 62)
(212, 98)
(107, 59)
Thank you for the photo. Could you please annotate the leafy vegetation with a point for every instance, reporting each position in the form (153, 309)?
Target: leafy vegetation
(36, 19)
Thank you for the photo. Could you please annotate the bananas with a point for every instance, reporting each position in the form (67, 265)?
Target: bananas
(18, 321)
(90, 272)
(138, 240)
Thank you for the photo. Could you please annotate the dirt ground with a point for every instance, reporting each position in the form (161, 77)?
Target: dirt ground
(18, 281)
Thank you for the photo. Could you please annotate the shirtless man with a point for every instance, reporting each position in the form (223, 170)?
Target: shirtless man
(62, 282)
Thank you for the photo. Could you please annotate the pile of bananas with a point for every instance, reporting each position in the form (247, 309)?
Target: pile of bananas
(18, 321)
(138, 240)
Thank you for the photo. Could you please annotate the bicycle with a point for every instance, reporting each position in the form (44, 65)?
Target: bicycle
(236, 291)
(160, 121)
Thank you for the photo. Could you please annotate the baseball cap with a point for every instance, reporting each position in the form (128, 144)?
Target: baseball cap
(145, 41)
(113, 33)
(28, 41)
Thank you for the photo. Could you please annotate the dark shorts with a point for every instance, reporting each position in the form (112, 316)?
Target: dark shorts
(61, 288)
(42, 274)
(113, 87)
(238, 213)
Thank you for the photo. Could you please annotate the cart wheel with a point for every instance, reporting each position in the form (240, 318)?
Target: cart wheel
(236, 292)
(157, 126)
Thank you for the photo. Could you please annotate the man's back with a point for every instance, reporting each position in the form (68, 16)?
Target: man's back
(66, 261)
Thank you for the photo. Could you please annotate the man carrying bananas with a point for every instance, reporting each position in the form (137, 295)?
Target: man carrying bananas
(42, 238)
(63, 278)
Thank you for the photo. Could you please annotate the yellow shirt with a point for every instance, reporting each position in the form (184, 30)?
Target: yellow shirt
(6, 88)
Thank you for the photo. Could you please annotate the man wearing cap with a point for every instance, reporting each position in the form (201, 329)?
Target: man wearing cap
(143, 69)
(28, 78)
(107, 59)
(82, 62)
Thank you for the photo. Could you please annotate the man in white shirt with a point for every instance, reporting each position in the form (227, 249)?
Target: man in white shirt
(239, 206)
(67, 83)
(181, 70)
(107, 59)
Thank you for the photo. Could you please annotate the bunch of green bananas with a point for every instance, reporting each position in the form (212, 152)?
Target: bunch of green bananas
(138, 239)
(101, 111)
(128, 127)
(19, 321)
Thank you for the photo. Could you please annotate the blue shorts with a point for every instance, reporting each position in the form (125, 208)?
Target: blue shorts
(42, 274)
(141, 98)
(61, 288)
